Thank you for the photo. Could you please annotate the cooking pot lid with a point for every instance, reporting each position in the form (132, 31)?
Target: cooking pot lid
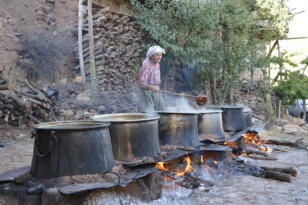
(126, 117)
(71, 125)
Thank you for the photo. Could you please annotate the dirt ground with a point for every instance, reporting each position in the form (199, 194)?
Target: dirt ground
(233, 189)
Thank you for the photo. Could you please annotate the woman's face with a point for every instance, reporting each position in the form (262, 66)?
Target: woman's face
(156, 57)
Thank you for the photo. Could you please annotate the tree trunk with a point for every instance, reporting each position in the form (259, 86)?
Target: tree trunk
(251, 76)
(279, 109)
(213, 91)
(81, 63)
(304, 109)
(91, 51)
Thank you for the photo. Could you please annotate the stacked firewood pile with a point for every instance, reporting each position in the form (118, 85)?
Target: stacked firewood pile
(26, 104)
(118, 48)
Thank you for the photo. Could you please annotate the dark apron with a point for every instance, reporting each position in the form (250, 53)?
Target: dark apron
(150, 101)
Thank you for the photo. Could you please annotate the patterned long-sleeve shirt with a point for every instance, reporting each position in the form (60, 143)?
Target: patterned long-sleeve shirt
(149, 74)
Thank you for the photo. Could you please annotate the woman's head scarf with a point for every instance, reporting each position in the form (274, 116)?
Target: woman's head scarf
(153, 50)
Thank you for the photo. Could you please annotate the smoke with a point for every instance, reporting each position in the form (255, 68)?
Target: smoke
(178, 104)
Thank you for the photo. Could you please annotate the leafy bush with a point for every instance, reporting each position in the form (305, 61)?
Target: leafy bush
(41, 55)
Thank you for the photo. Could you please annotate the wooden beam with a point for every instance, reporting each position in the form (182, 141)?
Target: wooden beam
(91, 50)
(80, 49)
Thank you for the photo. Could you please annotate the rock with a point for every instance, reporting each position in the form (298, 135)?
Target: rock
(282, 122)
(291, 129)
(101, 108)
(277, 128)
(63, 81)
(83, 97)
(21, 137)
(66, 113)
(147, 188)
(52, 196)
(77, 79)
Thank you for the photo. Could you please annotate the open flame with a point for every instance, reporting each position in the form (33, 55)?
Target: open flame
(188, 167)
(202, 158)
(160, 165)
(230, 144)
(215, 163)
(252, 138)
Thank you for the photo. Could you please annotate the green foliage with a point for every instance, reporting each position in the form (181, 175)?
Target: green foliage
(294, 86)
(305, 61)
(275, 16)
(284, 59)
(218, 38)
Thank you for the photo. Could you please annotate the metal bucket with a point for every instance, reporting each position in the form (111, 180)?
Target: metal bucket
(67, 148)
(210, 124)
(247, 112)
(178, 128)
(133, 135)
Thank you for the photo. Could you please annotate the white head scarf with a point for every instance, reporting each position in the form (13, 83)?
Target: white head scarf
(153, 50)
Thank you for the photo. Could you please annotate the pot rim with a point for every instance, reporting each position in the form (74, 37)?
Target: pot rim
(177, 113)
(226, 106)
(71, 125)
(116, 117)
(210, 111)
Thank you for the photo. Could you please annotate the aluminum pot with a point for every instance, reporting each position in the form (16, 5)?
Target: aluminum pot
(67, 148)
(210, 124)
(133, 135)
(179, 128)
(247, 112)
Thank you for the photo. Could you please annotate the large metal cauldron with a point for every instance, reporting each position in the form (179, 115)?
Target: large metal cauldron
(133, 135)
(232, 118)
(178, 128)
(70, 148)
(247, 112)
(210, 124)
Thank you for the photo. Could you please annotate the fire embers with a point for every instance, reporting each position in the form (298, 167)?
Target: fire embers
(189, 172)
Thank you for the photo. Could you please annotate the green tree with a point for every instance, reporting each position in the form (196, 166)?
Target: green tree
(220, 39)
(293, 86)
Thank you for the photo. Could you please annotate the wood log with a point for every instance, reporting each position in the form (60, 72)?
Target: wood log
(298, 143)
(289, 170)
(255, 151)
(263, 172)
(12, 95)
(5, 85)
(260, 158)
(277, 176)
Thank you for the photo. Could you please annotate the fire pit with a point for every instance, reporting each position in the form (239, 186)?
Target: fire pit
(178, 128)
(133, 135)
(210, 124)
(67, 148)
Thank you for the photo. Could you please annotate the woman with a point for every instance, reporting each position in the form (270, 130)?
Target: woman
(149, 80)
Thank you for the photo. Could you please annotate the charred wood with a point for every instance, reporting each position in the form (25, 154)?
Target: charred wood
(298, 143)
